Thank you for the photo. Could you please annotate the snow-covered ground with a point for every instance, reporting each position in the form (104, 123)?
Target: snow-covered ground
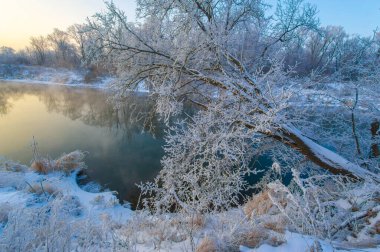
(50, 76)
(37, 206)
(297, 242)
(40, 212)
(56, 76)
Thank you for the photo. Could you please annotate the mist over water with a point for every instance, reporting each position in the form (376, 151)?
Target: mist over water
(124, 145)
(121, 152)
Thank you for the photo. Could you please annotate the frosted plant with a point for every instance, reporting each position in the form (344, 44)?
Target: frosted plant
(199, 52)
(326, 206)
(199, 172)
(60, 223)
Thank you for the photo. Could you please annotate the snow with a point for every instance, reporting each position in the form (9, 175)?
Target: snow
(343, 204)
(329, 156)
(57, 76)
(109, 203)
(12, 197)
(51, 76)
(100, 85)
(93, 204)
(96, 207)
(297, 242)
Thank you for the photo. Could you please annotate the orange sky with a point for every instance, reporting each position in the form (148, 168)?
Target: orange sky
(21, 19)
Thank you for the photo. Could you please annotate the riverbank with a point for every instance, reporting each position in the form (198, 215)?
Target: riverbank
(42, 207)
(52, 76)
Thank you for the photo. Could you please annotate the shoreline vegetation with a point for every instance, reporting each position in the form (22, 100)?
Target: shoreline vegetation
(42, 207)
(263, 80)
(51, 76)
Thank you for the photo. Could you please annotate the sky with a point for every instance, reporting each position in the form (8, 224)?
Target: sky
(21, 19)
(356, 16)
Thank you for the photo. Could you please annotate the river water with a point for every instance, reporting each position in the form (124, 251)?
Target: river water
(124, 145)
(121, 151)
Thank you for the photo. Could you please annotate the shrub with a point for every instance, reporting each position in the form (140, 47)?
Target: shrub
(66, 163)
(207, 245)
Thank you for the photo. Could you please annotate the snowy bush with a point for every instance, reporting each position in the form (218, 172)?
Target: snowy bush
(329, 207)
(204, 167)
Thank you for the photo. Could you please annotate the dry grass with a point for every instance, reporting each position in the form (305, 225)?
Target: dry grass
(48, 189)
(178, 237)
(66, 163)
(197, 222)
(254, 238)
(71, 161)
(278, 227)
(41, 166)
(159, 234)
(99, 199)
(278, 224)
(276, 240)
(375, 230)
(259, 205)
(207, 245)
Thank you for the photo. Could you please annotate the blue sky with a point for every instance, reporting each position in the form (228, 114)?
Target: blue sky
(356, 16)
(21, 19)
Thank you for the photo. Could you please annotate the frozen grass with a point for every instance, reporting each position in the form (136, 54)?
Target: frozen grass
(259, 205)
(45, 189)
(66, 163)
(44, 209)
(207, 245)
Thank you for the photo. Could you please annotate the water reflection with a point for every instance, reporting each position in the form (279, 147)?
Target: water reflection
(121, 150)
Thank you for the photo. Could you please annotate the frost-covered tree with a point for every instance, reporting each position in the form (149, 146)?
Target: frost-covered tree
(38, 49)
(196, 51)
(64, 50)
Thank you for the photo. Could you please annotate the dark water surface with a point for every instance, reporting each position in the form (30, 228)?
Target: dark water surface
(63, 119)
(121, 151)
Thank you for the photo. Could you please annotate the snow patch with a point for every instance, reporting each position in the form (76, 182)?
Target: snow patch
(297, 242)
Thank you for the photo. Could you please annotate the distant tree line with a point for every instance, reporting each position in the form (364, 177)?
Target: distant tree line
(310, 50)
(58, 49)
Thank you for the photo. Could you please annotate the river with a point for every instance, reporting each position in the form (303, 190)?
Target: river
(121, 151)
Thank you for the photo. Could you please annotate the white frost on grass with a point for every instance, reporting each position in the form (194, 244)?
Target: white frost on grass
(63, 214)
(42, 208)
(92, 203)
(12, 197)
(297, 242)
(39, 212)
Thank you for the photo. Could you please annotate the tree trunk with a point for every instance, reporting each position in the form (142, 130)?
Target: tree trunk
(322, 156)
